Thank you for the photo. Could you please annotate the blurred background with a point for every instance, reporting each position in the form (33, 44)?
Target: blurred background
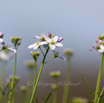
(79, 22)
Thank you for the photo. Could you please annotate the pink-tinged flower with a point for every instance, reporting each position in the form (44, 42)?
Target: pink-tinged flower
(1, 35)
(60, 39)
(53, 42)
(36, 45)
(6, 46)
(92, 48)
(101, 50)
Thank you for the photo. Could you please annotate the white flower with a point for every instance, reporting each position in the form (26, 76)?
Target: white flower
(101, 50)
(6, 55)
(36, 45)
(53, 42)
(4, 45)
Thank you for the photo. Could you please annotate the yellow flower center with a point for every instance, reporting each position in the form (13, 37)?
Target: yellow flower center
(52, 42)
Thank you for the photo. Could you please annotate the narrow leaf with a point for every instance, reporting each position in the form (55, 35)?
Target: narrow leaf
(47, 98)
(6, 87)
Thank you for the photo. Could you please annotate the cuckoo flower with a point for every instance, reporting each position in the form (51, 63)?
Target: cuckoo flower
(101, 50)
(53, 42)
(6, 46)
(36, 45)
(1, 35)
(6, 55)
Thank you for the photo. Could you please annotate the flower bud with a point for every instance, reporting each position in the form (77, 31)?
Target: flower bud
(55, 56)
(38, 53)
(68, 52)
(55, 74)
(29, 64)
(23, 88)
(54, 86)
(1, 35)
(48, 34)
(12, 39)
(19, 42)
(79, 100)
(60, 39)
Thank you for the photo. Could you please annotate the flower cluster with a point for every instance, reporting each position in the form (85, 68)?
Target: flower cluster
(55, 74)
(16, 40)
(99, 44)
(49, 40)
(4, 45)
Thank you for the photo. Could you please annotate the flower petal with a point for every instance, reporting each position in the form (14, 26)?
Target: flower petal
(55, 38)
(11, 49)
(52, 47)
(92, 48)
(32, 46)
(36, 47)
(37, 37)
(2, 42)
(43, 43)
(47, 39)
(102, 47)
(100, 51)
(59, 44)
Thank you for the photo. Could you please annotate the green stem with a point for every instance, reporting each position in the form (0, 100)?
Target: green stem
(2, 77)
(99, 80)
(34, 89)
(14, 72)
(48, 60)
(35, 72)
(55, 93)
(66, 87)
(13, 97)
(100, 95)
(41, 51)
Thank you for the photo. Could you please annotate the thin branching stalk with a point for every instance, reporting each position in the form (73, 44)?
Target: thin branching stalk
(55, 93)
(14, 72)
(34, 89)
(99, 79)
(66, 87)
(35, 72)
(2, 77)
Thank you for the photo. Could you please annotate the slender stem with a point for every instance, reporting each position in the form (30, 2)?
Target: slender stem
(87, 87)
(34, 89)
(41, 51)
(99, 80)
(2, 77)
(13, 97)
(14, 72)
(66, 87)
(55, 93)
(48, 60)
(100, 95)
(35, 72)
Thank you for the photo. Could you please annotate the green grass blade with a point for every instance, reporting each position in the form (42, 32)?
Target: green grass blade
(86, 84)
(47, 98)
(88, 88)
(100, 95)
(6, 87)
(36, 99)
